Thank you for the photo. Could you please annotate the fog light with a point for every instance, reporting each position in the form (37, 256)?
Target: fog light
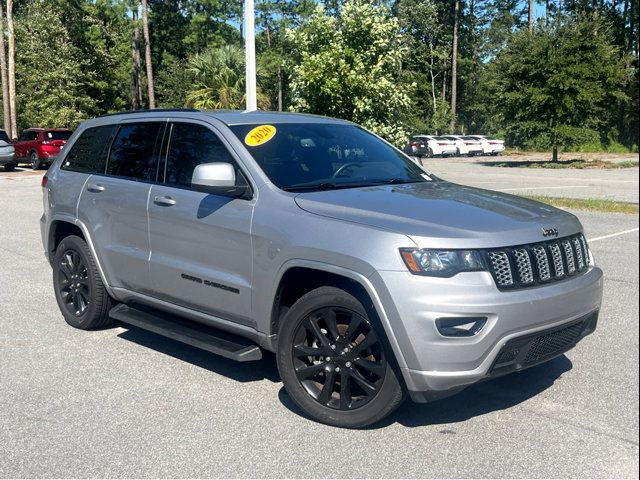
(460, 326)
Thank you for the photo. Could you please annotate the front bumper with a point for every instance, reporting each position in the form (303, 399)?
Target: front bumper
(435, 366)
(10, 158)
(441, 151)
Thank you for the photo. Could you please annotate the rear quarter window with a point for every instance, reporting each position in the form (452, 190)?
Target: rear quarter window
(89, 153)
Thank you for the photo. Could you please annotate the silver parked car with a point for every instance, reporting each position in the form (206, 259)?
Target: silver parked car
(312, 238)
(7, 152)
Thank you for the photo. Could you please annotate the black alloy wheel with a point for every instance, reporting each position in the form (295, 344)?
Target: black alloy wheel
(80, 292)
(73, 283)
(335, 361)
(338, 358)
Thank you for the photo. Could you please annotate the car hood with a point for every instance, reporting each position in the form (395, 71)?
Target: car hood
(442, 214)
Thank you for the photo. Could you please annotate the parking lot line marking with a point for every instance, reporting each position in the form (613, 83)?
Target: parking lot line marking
(612, 235)
(540, 188)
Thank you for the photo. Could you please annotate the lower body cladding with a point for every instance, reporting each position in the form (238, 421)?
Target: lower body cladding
(452, 332)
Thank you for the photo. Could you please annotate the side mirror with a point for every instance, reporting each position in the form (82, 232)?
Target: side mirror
(218, 179)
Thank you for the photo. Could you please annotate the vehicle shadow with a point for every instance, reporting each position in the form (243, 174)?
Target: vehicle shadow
(477, 400)
(482, 398)
(264, 369)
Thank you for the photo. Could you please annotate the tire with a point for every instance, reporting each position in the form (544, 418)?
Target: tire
(73, 262)
(9, 167)
(458, 154)
(329, 389)
(35, 161)
(429, 153)
(494, 154)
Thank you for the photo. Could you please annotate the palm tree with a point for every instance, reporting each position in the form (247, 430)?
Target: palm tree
(219, 80)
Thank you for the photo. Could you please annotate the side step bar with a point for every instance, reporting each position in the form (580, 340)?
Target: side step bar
(191, 333)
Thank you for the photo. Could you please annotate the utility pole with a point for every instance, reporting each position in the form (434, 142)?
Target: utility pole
(454, 67)
(6, 109)
(250, 55)
(12, 70)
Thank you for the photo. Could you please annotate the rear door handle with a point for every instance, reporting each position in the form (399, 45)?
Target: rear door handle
(164, 201)
(95, 188)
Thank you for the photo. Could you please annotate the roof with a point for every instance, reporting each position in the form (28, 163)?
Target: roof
(40, 129)
(231, 117)
(234, 117)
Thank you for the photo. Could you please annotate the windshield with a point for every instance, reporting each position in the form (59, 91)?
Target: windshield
(57, 135)
(319, 156)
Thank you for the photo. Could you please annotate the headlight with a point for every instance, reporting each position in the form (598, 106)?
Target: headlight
(441, 263)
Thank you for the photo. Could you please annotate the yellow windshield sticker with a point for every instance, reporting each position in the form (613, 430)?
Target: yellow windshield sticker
(260, 135)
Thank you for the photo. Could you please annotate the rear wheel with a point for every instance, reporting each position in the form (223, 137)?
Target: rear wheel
(334, 362)
(80, 293)
(457, 152)
(429, 153)
(35, 161)
(9, 167)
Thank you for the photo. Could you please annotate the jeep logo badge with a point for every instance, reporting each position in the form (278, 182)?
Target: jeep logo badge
(549, 232)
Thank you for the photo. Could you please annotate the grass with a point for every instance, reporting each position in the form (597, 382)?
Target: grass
(579, 164)
(594, 204)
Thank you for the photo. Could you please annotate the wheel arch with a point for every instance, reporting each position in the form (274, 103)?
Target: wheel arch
(298, 277)
(64, 226)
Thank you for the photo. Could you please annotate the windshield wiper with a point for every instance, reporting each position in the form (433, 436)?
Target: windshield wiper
(323, 186)
(399, 181)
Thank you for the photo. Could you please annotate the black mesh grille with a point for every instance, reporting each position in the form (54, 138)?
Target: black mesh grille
(548, 344)
(528, 265)
(532, 349)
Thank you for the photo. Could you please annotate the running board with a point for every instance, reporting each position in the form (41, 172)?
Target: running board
(191, 333)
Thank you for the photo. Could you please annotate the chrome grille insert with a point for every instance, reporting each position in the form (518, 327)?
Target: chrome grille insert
(523, 265)
(558, 264)
(501, 268)
(542, 262)
(579, 254)
(585, 249)
(568, 252)
(527, 265)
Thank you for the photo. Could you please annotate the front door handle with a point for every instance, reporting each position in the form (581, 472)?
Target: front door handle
(164, 201)
(95, 188)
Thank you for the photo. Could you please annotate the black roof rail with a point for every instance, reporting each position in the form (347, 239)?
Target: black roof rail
(154, 110)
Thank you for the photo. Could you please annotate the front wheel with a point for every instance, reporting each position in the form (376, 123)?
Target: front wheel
(334, 362)
(80, 293)
(9, 167)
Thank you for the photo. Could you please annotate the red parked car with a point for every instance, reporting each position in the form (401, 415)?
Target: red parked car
(39, 146)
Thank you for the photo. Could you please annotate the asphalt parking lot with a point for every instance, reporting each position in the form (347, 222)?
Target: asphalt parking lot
(615, 184)
(126, 403)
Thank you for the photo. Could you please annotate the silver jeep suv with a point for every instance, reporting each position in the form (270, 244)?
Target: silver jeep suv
(310, 237)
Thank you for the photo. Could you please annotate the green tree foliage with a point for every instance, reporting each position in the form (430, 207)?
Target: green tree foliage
(219, 80)
(556, 88)
(349, 67)
(53, 74)
(173, 82)
(387, 65)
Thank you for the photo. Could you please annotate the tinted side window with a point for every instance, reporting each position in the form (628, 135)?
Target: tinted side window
(133, 153)
(27, 136)
(191, 145)
(89, 153)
